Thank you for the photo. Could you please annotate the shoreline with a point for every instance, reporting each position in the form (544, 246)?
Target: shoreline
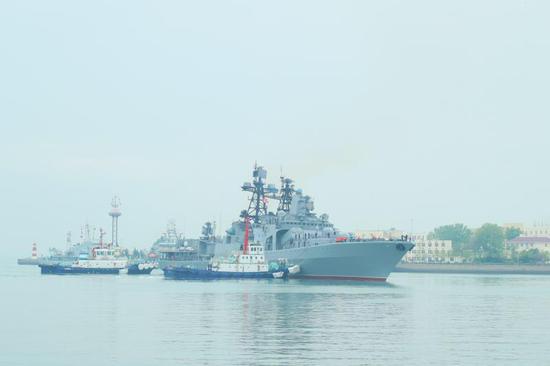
(527, 269)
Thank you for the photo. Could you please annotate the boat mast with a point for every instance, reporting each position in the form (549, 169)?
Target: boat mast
(246, 228)
(101, 232)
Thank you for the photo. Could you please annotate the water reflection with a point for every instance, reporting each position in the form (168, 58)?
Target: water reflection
(284, 321)
(415, 319)
(341, 284)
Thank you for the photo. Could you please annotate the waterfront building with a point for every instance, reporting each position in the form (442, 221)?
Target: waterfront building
(536, 230)
(425, 250)
(431, 251)
(525, 243)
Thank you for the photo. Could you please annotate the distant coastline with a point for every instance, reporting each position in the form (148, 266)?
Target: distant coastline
(474, 268)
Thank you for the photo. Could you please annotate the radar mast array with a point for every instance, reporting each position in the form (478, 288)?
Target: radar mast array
(261, 193)
(257, 206)
(287, 191)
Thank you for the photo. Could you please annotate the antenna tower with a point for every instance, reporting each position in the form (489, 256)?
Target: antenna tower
(115, 214)
(285, 198)
(257, 206)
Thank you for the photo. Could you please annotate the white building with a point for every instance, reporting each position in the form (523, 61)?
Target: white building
(537, 230)
(431, 251)
(425, 250)
(524, 243)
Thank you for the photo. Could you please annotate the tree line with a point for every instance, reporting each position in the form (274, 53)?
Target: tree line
(486, 244)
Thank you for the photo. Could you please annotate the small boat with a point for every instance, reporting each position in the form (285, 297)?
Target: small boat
(249, 263)
(292, 270)
(139, 268)
(103, 260)
(280, 274)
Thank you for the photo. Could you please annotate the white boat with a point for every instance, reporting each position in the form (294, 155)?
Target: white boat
(295, 269)
(103, 260)
(278, 274)
(247, 263)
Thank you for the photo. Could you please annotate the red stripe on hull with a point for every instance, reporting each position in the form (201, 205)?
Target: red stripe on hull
(342, 278)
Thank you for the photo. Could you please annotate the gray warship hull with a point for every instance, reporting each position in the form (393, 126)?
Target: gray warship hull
(359, 261)
(369, 260)
(297, 235)
(194, 264)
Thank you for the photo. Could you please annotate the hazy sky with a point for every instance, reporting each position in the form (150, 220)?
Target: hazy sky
(383, 111)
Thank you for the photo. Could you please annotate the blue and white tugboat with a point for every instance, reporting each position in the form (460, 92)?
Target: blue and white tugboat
(248, 263)
(101, 260)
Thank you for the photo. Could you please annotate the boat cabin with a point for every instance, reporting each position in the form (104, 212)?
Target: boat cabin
(255, 255)
(252, 260)
(103, 253)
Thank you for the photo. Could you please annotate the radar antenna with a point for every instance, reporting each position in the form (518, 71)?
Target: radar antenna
(257, 206)
(208, 230)
(287, 191)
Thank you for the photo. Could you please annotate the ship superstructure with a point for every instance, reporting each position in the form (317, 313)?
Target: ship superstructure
(249, 262)
(173, 250)
(296, 233)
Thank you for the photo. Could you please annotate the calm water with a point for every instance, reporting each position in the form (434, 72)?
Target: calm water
(415, 319)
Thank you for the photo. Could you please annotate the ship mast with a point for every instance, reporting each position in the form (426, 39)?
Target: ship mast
(209, 230)
(101, 233)
(285, 198)
(257, 206)
(246, 228)
(68, 240)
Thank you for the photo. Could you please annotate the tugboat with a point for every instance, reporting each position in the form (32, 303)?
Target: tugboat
(74, 251)
(101, 260)
(248, 263)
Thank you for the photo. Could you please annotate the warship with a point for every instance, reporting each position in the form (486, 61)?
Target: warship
(298, 235)
(173, 250)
